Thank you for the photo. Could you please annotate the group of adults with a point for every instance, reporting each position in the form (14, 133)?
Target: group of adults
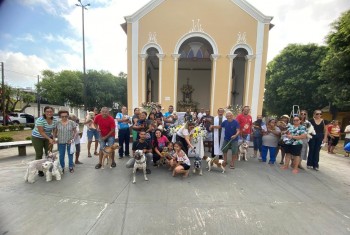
(149, 133)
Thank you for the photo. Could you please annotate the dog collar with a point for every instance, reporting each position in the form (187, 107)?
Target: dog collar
(141, 162)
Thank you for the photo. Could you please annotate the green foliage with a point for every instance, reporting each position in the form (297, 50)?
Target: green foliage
(335, 72)
(12, 127)
(5, 139)
(21, 127)
(28, 138)
(13, 96)
(292, 78)
(3, 128)
(102, 88)
(31, 125)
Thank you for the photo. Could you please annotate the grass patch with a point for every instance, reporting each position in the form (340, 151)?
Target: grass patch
(17, 135)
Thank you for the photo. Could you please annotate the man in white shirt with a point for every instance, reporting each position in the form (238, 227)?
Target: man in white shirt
(200, 114)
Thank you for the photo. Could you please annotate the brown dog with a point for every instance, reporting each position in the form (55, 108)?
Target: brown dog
(107, 154)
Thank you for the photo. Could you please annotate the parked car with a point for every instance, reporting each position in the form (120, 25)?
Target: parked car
(20, 118)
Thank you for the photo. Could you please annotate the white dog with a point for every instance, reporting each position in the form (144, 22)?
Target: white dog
(140, 163)
(310, 130)
(218, 163)
(243, 151)
(47, 169)
(32, 170)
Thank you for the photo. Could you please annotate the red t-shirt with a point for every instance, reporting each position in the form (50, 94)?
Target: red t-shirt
(245, 123)
(105, 125)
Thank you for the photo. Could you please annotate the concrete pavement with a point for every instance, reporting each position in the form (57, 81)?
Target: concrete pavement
(254, 198)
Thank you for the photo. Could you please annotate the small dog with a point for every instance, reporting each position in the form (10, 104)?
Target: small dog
(107, 154)
(197, 166)
(164, 158)
(140, 163)
(32, 170)
(310, 130)
(47, 169)
(218, 163)
(243, 151)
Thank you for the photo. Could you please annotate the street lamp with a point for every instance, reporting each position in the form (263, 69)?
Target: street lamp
(83, 7)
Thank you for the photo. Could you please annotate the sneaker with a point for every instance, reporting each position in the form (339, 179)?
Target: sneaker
(148, 171)
(71, 170)
(41, 173)
(120, 157)
(113, 164)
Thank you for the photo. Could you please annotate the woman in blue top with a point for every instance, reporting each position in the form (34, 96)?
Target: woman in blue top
(42, 133)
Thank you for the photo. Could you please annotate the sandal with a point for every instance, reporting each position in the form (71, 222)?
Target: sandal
(113, 164)
(98, 166)
(95, 153)
(295, 171)
(89, 156)
(232, 167)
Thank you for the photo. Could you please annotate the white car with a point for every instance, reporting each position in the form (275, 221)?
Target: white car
(20, 118)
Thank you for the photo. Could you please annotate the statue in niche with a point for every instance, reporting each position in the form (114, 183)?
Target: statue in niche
(187, 91)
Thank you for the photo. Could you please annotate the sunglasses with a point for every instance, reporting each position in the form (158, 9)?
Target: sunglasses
(318, 113)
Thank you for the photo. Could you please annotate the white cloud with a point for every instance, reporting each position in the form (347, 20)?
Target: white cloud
(21, 70)
(27, 37)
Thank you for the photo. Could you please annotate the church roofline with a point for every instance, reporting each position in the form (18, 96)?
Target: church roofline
(243, 4)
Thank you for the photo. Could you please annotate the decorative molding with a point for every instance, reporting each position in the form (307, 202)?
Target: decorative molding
(176, 56)
(160, 56)
(149, 45)
(245, 46)
(241, 38)
(196, 26)
(152, 37)
(232, 57)
(196, 34)
(214, 57)
(249, 57)
(143, 56)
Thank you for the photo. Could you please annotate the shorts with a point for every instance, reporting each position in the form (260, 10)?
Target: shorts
(185, 166)
(107, 142)
(233, 146)
(77, 148)
(92, 133)
(294, 150)
(333, 142)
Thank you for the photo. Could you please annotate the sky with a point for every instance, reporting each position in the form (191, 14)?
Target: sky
(47, 34)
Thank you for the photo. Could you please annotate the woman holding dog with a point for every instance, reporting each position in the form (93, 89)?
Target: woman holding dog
(270, 141)
(65, 132)
(293, 143)
(160, 141)
(42, 134)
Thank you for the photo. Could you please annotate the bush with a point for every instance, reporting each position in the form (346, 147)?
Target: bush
(3, 128)
(12, 127)
(28, 138)
(31, 125)
(21, 127)
(6, 139)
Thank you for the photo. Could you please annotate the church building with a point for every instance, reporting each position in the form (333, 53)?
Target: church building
(197, 54)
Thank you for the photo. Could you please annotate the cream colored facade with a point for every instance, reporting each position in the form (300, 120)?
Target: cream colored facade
(218, 47)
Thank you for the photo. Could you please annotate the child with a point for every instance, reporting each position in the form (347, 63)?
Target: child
(183, 163)
(169, 155)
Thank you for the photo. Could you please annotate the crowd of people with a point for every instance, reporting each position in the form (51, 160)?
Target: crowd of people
(298, 138)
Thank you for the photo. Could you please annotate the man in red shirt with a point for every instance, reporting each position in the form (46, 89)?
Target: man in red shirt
(106, 128)
(245, 124)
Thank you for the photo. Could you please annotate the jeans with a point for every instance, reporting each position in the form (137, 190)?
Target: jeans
(124, 137)
(272, 151)
(314, 150)
(257, 141)
(62, 152)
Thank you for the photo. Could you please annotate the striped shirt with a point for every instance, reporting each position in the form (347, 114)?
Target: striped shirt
(41, 121)
(65, 133)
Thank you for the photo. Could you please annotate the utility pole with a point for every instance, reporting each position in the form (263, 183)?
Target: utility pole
(83, 7)
(38, 95)
(3, 94)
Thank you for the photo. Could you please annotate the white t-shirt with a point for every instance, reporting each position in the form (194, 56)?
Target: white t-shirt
(347, 128)
(182, 132)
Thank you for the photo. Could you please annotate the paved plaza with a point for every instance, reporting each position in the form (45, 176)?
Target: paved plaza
(254, 198)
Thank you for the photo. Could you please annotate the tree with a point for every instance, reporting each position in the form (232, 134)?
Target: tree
(335, 71)
(14, 96)
(292, 78)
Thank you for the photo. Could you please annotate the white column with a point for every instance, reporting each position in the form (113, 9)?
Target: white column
(143, 76)
(213, 58)
(248, 58)
(134, 65)
(160, 57)
(229, 88)
(176, 60)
